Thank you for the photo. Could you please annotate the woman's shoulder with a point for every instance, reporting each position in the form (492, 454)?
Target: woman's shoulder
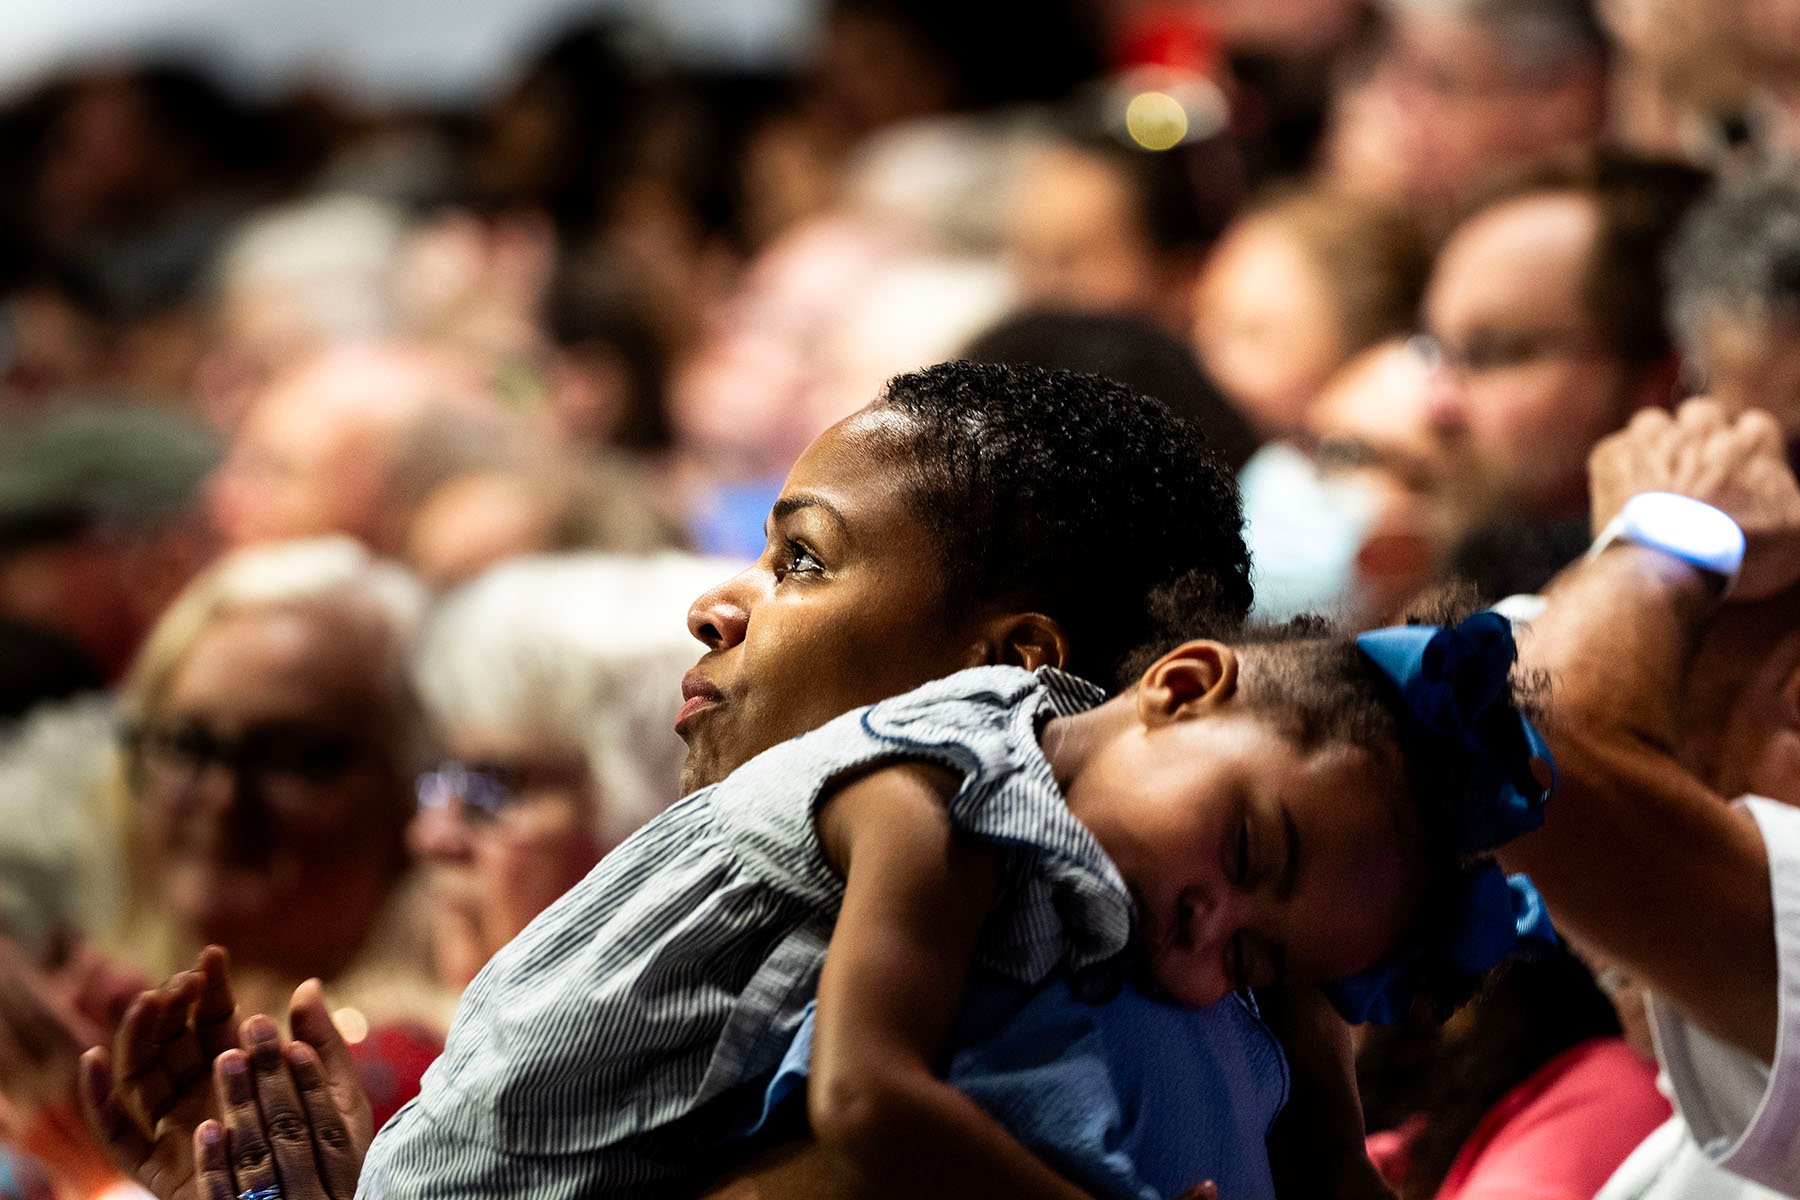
(966, 722)
(993, 708)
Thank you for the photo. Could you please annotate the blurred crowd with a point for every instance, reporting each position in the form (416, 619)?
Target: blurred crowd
(367, 462)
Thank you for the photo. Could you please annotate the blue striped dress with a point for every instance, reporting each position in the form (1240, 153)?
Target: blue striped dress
(609, 1048)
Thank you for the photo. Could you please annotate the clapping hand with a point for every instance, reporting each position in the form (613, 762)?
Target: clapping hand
(282, 1132)
(48, 1013)
(150, 1096)
(1736, 464)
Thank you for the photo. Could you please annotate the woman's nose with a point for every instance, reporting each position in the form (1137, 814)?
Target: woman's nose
(439, 834)
(719, 617)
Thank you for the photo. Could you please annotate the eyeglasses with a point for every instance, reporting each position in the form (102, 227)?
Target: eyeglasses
(1490, 353)
(482, 792)
(287, 764)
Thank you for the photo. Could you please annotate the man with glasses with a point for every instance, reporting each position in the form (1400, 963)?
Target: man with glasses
(1543, 324)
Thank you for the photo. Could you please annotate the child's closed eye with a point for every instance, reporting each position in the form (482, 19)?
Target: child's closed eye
(1237, 866)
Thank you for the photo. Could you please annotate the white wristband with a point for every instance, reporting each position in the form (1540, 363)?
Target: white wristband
(1689, 529)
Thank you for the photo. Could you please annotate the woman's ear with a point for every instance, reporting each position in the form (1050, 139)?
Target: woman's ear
(1030, 640)
(1188, 680)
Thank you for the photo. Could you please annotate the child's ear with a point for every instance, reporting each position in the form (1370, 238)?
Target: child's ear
(1188, 680)
(1030, 640)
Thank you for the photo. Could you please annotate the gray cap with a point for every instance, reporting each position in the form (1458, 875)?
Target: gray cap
(83, 466)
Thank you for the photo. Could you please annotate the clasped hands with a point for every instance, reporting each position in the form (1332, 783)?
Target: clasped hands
(196, 1105)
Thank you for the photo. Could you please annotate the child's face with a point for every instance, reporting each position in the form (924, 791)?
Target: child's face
(1251, 863)
(844, 608)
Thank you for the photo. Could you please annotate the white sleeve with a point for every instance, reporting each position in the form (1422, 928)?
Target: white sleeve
(1743, 1114)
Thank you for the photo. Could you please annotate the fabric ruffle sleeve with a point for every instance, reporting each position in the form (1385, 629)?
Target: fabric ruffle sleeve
(1062, 900)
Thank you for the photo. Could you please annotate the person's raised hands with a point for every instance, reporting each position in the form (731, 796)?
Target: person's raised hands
(281, 1131)
(311, 1025)
(42, 1032)
(149, 1098)
(145, 1095)
(1736, 464)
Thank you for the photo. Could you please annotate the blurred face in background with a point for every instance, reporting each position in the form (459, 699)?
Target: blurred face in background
(476, 520)
(1077, 237)
(1265, 325)
(873, 71)
(1291, 29)
(316, 453)
(269, 809)
(1753, 361)
(1372, 428)
(506, 828)
(1524, 375)
(107, 160)
(1473, 105)
(301, 465)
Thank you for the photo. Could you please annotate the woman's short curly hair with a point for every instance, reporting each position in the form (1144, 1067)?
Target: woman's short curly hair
(1074, 496)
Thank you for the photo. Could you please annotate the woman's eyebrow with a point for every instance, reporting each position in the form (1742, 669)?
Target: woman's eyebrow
(787, 506)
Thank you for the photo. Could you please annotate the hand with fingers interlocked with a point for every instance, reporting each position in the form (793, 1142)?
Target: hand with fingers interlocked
(148, 1098)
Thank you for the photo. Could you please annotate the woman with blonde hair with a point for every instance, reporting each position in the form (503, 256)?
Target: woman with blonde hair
(274, 734)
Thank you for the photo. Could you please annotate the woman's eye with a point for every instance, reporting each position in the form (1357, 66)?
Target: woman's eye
(798, 560)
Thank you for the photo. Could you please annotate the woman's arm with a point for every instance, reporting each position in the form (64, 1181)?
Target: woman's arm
(915, 899)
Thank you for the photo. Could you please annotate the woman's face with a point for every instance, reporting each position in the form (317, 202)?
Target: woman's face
(1076, 239)
(1264, 325)
(844, 607)
(504, 830)
(264, 800)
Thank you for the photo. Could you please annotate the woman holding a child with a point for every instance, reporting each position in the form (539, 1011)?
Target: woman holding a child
(927, 535)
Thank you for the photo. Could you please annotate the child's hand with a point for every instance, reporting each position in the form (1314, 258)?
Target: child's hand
(1204, 1190)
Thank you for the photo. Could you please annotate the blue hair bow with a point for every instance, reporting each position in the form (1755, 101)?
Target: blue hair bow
(1454, 681)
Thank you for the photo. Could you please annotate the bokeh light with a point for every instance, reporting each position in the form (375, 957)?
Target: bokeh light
(1156, 120)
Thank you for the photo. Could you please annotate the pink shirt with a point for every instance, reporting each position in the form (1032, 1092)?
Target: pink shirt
(1562, 1132)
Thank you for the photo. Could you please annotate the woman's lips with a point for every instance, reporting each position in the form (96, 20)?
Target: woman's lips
(698, 693)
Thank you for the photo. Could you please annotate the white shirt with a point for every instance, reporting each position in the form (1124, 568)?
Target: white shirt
(1736, 1132)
